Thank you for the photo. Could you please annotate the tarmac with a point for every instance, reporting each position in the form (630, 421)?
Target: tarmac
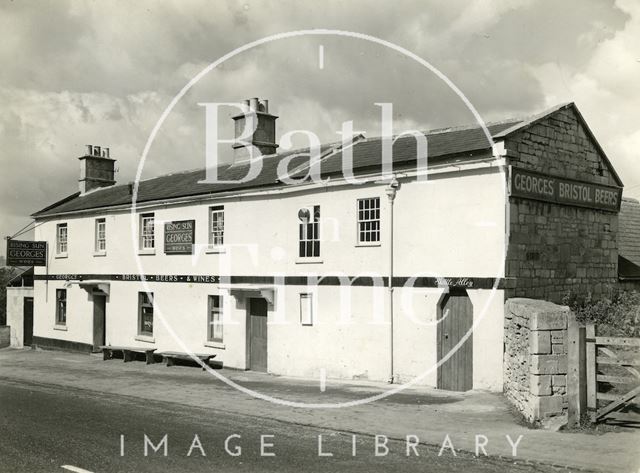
(462, 421)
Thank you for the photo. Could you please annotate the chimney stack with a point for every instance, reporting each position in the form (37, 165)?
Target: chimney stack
(264, 136)
(97, 169)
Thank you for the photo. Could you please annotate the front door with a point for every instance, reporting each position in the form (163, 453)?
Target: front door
(27, 336)
(99, 307)
(455, 321)
(257, 334)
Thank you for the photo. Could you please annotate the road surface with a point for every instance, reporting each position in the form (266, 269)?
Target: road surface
(44, 428)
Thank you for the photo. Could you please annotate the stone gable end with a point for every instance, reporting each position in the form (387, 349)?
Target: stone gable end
(560, 145)
(555, 248)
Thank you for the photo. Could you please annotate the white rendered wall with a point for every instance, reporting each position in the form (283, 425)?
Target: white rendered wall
(15, 313)
(451, 227)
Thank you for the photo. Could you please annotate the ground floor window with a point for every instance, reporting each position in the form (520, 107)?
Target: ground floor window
(61, 307)
(214, 322)
(145, 313)
(306, 309)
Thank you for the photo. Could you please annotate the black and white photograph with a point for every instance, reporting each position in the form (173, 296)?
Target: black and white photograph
(319, 236)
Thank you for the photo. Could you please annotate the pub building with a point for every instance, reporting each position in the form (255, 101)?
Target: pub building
(378, 280)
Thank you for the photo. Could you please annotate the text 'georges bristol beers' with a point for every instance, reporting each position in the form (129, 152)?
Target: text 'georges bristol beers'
(536, 186)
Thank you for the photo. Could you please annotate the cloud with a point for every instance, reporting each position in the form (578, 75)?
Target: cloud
(606, 91)
(79, 73)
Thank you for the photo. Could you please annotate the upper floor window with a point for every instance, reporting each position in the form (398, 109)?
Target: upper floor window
(61, 307)
(101, 235)
(147, 232)
(145, 313)
(216, 225)
(61, 239)
(309, 237)
(369, 220)
(214, 332)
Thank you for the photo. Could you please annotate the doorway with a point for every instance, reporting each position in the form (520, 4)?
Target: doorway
(27, 322)
(455, 314)
(99, 308)
(257, 334)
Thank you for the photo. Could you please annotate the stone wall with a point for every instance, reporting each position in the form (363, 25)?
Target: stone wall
(556, 248)
(535, 359)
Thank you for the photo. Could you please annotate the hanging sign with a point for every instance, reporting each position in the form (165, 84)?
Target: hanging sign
(26, 253)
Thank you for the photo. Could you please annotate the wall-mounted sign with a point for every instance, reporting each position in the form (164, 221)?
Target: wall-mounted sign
(26, 253)
(559, 190)
(179, 237)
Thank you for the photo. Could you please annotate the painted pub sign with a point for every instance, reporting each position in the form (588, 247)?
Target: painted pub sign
(559, 190)
(179, 237)
(26, 253)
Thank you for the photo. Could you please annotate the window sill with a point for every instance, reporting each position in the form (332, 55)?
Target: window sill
(368, 245)
(218, 345)
(309, 260)
(214, 250)
(147, 252)
(61, 255)
(144, 338)
(99, 253)
(60, 327)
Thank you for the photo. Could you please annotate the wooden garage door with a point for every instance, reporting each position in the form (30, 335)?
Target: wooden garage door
(456, 319)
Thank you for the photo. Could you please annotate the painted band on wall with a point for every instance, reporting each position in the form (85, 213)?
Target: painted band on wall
(398, 281)
(559, 190)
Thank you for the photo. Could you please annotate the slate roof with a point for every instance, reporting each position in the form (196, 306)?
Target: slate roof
(461, 143)
(464, 142)
(629, 231)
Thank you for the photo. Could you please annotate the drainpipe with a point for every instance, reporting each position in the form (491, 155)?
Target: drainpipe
(391, 191)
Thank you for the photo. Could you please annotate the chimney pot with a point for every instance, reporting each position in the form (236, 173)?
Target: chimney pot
(89, 150)
(253, 105)
(96, 151)
(265, 106)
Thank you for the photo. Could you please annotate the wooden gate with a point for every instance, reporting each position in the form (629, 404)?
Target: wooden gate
(613, 381)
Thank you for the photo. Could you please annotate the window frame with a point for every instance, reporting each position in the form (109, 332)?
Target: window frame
(61, 311)
(60, 242)
(314, 241)
(143, 236)
(97, 250)
(218, 233)
(212, 310)
(362, 222)
(142, 303)
(306, 300)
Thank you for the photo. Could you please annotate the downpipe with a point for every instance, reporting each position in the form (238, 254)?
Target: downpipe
(391, 191)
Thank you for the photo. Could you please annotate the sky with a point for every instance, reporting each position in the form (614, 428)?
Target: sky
(88, 72)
